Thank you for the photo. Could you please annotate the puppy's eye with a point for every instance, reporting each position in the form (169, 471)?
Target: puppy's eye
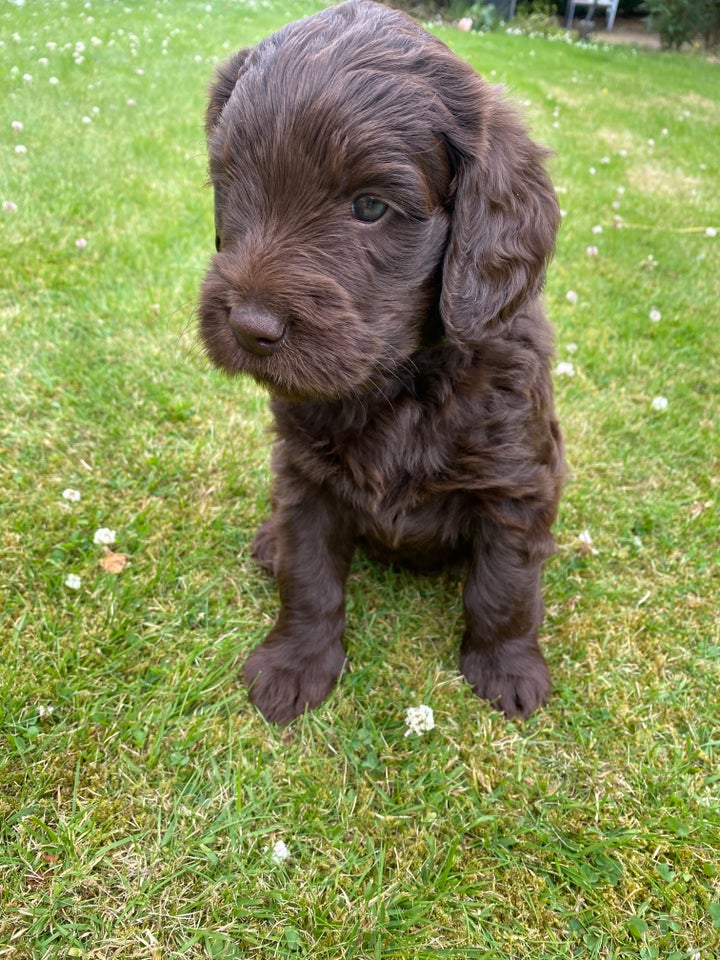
(368, 209)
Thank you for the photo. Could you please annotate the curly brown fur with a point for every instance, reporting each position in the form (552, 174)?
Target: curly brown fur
(383, 226)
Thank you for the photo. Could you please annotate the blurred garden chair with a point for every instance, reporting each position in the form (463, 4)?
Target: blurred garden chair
(610, 7)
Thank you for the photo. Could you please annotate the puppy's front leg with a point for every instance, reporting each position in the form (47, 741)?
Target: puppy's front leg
(296, 667)
(500, 656)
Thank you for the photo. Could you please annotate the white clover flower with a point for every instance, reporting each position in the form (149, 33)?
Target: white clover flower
(81, 243)
(17, 125)
(586, 543)
(280, 852)
(9, 206)
(571, 297)
(20, 148)
(419, 720)
(45, 711)
(564, 369)
(592, 251)
(465, 24)
(27, 77)
(104, 536)
(53, 81)
(597, 229)
(73, 581)
(72, 495)
(659, 403)
(571, 348)
(710, 232)
(592, 171)
(655, 315)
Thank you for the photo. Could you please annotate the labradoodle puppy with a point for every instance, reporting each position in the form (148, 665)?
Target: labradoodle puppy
(383, 226)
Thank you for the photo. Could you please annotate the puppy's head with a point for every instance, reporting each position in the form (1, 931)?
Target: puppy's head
(372, 195)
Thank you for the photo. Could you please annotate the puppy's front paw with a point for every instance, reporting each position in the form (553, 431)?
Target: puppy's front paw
(284, 684)
(513, 677)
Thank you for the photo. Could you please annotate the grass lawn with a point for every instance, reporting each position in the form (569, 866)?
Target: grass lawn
(141, 796)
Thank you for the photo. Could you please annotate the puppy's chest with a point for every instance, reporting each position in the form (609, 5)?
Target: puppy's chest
(390, 470)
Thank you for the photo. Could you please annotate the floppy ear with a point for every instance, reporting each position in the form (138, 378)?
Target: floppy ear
(226, 76)
(504, 222)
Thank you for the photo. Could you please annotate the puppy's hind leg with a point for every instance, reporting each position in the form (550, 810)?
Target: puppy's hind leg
(264, 549)
(500, 656)
(298, 663)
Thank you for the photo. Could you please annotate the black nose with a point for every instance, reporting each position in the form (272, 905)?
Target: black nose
(255, 330)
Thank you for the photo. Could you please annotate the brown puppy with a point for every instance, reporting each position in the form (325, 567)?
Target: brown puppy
(383, 224)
